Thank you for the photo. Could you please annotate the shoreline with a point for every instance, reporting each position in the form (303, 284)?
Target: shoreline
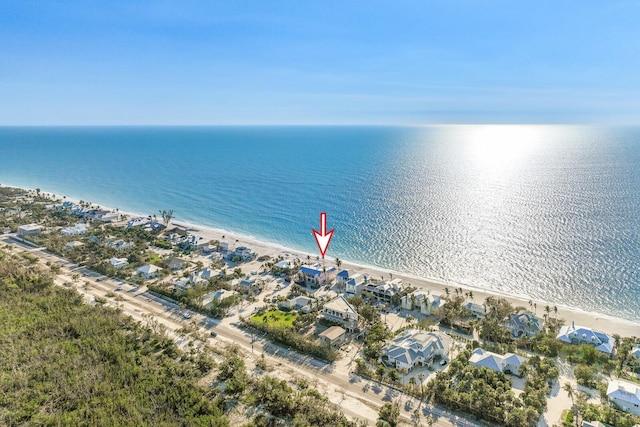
(604, 322)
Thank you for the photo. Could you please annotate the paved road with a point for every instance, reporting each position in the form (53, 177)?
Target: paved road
(139, 303)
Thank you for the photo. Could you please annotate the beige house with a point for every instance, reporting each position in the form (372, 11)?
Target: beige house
(29, 230)
(334, 336)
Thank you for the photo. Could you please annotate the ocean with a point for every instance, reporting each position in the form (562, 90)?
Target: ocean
(544, 212)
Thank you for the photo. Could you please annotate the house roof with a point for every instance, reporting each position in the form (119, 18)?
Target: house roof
(494, 361)
(582, 334)
(636, 352)
(414, 344)
(30, 227)
(333, 333)
(175, 262)
(527, 321)
(147, 269)
(283, 264)
(344, 274)
(340, 304)
(624, 391)
(310, 271)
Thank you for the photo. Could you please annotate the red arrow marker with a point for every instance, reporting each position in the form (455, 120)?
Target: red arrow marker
(323, 237)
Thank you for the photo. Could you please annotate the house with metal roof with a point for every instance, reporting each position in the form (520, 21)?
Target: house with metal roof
(148, 271)
(315, 276)
(524, 324)
(582, 335)
(625, 395)
(424, 301)
(509, 363)
(415, 347)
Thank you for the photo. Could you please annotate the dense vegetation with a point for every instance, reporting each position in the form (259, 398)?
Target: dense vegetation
(488, 394)
(67, 363)
(63, 362)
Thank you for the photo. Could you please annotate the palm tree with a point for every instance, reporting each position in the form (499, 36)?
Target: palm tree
(412, 382)
(446, 292)
(555, 312)
(570, 391)
(338, 262)
(421, 378)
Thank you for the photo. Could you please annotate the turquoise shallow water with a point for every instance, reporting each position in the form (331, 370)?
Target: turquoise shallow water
(548, 212)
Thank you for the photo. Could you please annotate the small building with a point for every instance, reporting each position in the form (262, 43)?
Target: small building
(635, 353)
(333, 336)
(29, 230)
(339, 310)
(509, 363)
(243, 252)
(182, 284)
(72, 245)
(415, 347)
(300, 303)
(79, 228)
(119, 263)
(524, 324)
(148, 271)
(223, 247)
(625, 395)
(175, 263)
(135, 222)
(594, 424)
(216, 296)
(119, 245)
(426, 302)
(477, 310)
(577, 335)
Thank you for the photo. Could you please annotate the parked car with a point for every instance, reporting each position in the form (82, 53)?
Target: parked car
(213, 334)
(443, 362)
(187, 315)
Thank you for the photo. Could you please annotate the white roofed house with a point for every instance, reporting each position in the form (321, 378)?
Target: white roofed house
(29, 230)
(339, 310)
(148, 271)
(119, 263)
(582, 335)
(243, 252)
(415, 347)
(509, 363)
(79, 228)
(384, 291)
(301, 303)
(635, 354)
(625, 395)
(426, 302)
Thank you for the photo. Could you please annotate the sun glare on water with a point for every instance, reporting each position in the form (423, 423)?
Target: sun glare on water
(501, 147)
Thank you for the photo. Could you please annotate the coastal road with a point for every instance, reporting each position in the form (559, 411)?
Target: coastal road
(357, 397)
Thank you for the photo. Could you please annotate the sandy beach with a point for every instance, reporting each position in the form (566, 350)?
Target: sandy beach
(602, 322)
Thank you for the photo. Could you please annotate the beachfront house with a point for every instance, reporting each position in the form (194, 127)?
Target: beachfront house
(148, 271)
(119, 263)
(426, 302)
(339, 310)
(243, 253)
(625, 395)
(29, 230)
(135, 222)
(315, 276)
(182, 284)
(509, 363)
(223, 247)
(383, 291)
(333, 336)
(352, 284)
(415, 347)
(477, 310)
(103, 216)
(635, 353)
(79, 228)
(524, 324)
(577, 335)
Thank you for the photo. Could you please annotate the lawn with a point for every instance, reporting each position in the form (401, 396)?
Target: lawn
(276, 318)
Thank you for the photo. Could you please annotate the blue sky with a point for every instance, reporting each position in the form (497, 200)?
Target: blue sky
(321, 62)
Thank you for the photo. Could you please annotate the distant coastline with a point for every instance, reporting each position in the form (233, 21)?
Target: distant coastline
(606, 323)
